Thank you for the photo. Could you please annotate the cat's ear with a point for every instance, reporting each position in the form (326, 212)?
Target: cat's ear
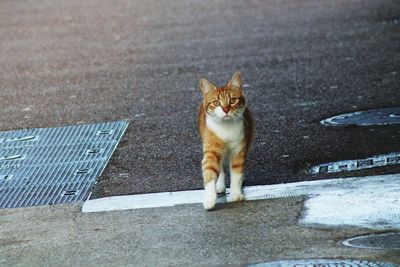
(206, 86)
(236, 81)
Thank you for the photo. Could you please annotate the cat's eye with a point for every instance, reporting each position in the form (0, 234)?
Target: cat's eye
(216, 103)
(233, 101)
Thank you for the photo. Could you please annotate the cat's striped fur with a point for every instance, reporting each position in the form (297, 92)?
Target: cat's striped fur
(226, 128)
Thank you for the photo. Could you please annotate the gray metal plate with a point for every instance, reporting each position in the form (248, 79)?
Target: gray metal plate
(358, 164)
(371, 117)
(377, 241)
(54, 165)
(324, 262)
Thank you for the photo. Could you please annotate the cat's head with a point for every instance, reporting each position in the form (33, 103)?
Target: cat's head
(224, 103)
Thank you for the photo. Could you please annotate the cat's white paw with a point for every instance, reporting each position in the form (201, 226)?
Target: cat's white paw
(235, 197)
(236, 187)
(209, 203)
(221, 188)
(211, 195)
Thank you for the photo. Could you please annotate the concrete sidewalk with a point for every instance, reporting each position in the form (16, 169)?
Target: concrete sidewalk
(186, 235)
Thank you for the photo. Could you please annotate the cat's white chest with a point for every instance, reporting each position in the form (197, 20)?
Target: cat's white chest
(229, 132)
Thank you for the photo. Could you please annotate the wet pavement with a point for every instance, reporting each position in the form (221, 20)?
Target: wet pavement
(302, 61)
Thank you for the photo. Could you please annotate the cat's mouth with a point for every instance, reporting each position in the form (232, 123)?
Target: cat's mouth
(227, 117)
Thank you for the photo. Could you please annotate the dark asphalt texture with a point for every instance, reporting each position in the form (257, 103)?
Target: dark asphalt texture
(71, 62)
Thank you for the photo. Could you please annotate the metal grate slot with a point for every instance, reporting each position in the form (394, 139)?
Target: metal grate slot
(323, 169)
(343, 167)
(20, 138)
(93, 151)
(11, 157)
(83, 171)
(104, 132)
(5, 177)
(393, 160)
(365, 163)
(70, 192)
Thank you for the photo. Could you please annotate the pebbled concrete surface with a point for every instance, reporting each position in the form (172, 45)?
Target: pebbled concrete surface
(235, 235)
(68, 62)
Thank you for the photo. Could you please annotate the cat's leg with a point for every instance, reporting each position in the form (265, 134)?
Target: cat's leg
(211, 166)
(211, 195)
(237, 165)
(236, 187)
(221, 187)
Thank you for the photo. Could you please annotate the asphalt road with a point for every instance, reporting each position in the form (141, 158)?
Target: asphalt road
(70, 62)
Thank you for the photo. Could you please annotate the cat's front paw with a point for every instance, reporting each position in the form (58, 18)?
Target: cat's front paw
(211, 196)
(235, 197)
(221, 188)
(209, 202)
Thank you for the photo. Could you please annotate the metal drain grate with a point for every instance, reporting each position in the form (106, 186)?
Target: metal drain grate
(371, 117)
(54, 165)
(358, 164)
(377, 241)
(324, 263)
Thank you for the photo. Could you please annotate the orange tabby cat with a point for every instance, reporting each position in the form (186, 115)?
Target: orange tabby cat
(226, 128)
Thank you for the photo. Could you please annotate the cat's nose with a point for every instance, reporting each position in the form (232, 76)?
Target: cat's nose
(225, 109)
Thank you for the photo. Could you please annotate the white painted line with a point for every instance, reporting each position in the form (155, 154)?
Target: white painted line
(153, 200)
(372, 202)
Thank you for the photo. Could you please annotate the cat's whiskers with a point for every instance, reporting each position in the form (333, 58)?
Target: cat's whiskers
(237, 114)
